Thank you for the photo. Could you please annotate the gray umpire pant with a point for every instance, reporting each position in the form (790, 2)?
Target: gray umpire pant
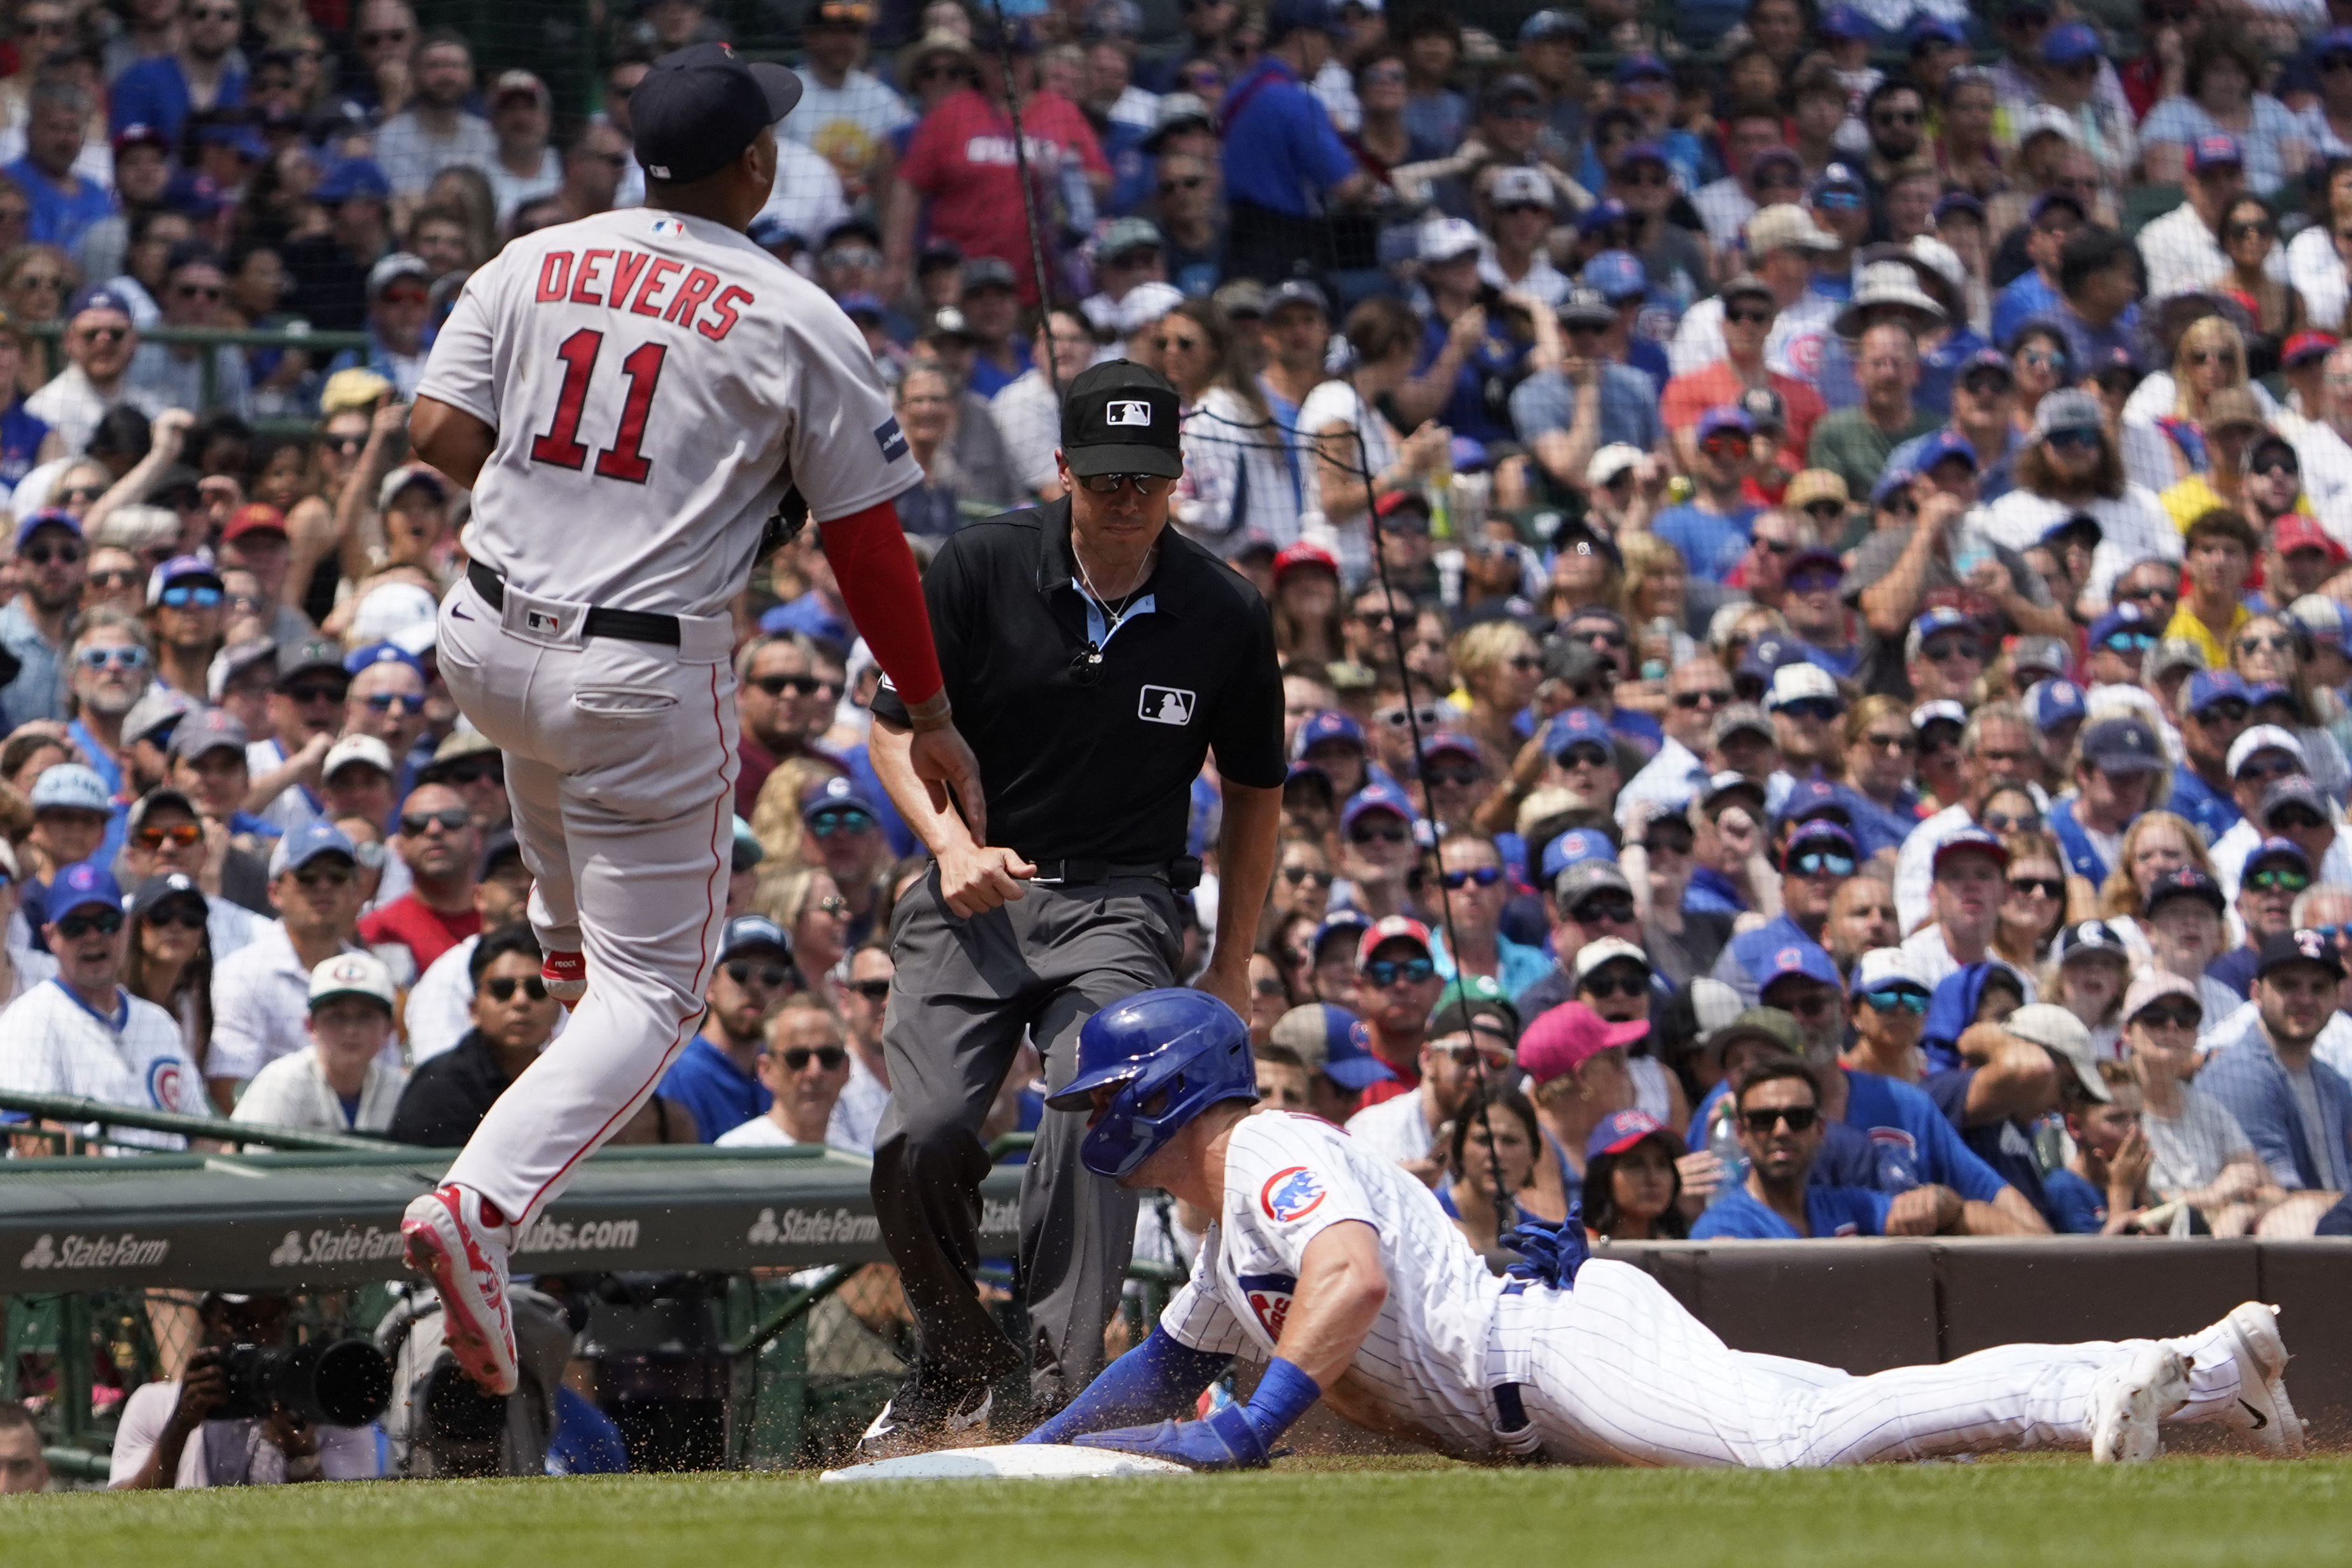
(963, 992)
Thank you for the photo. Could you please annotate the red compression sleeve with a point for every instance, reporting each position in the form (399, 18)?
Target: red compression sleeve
(884, 594)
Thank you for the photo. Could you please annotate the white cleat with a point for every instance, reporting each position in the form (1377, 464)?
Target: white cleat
(450, 1244)
(2263, 1411)
(2128, 1401)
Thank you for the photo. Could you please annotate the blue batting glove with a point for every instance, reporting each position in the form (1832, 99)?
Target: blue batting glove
(1226, 1440)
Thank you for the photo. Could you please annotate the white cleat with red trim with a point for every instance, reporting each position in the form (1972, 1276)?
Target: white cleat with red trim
(451, 1243)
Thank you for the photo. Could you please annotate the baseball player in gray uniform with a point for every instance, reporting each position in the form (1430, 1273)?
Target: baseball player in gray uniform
(631, 397)
(1341, 1272)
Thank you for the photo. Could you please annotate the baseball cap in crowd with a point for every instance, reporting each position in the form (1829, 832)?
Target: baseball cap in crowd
(2067, 44)
(2058, 1032)
(860, 305)
(1294, 292)
(1576, 727)
(180, 569)
(1728, 782)
(1592, 955)
(1784, 225)
(71, 787)
(697, 109)
(1511, 87)
(1845, 24)
(1176, 112)
(2298, 531)
(1445, 238)
(837, 794)
(1446, 743)
(2264, 738)
(1621, 1130)
(254, 517)
(32, 522)
(2122, 744)
(1773, 1026)
(1324, 727)
(1836, 179)
(1392, 928)
(1565, 1038)
(986, 272)
(502, 846)
(1642, 66)
(1581, 880)
(753, 933)
(2301, 348)
(352, 975)
(361, 179)
(1814, 800)
(2279, 849)
(2328, 622)
(2045, 655)
(2300, 946)
(1933, 624)
(170, 885)
(1546, 25)
(2152, 985)
(1602, 215)
(208, 730)
(2090, 937)
(303, 657)
(1797, 957)
(2295, 790)
(1325, 1038)
(1289, 16)
(2184, 882)
(392, 269)
(1801, 682)
(2218, 151)
(1378, 795)
(2208, 686)
(152, 718)
(1819, 836)
(302, 845)
(1722, 417)
(234, 660)
(1518, 185)
(367, 656)
(1889, 969)
(1815, 485)
(1891, 483)
(1577, 845)
(1965, 841)
(1945, 446)
(96, 298)
(2053, 703)
(78, 886)
(1305, 552)
(1490, 1023)
(1942, 711)
(1120, 417)
(1618, 275)
(1583, 307)
(2047, 119)
(356, 751)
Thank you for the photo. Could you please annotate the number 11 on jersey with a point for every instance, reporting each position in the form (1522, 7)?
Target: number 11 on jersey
(625, 458)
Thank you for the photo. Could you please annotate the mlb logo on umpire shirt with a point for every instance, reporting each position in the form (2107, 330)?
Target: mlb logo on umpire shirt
(1165, 704)
(1137, 413)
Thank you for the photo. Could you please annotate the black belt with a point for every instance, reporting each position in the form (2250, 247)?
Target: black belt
(631, 626)
(1182, 874)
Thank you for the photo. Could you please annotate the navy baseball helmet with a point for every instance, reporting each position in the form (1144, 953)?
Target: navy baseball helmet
(1171, 1054)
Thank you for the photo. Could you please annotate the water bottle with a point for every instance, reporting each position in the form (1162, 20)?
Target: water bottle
(1723, 1142)
(1898, 1168)
(1657, 647)
(1969, 550)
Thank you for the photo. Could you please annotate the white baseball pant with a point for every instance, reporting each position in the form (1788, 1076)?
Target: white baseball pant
(1616, 1371)
(621, 764)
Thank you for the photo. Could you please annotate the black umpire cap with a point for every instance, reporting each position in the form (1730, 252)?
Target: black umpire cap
(1119, 418)
(698, 106)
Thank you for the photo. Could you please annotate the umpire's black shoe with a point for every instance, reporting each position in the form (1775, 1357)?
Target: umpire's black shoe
(930, 1409)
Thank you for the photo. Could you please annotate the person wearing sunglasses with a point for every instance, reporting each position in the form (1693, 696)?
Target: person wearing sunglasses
(340, 1081)
(259, 991)
(1781, 1128)
(1711, 528)
(100, 340)
(175, 374)
(386, 700)
(783, 704)
(2276, 872)
(1378, 852)
(1807, 711)
(51, 560)
(1475, 889)
(2197, 1153)
(109, 667)
(87, 1036)
(2267, 1074)
(843, 827)
(512, 1019)
(1888, 1005)
(1470, 1044)
(166, 834)
(185, 604)
(804, 1068)
(1397, 986)
(437, 841)
(2215, 710)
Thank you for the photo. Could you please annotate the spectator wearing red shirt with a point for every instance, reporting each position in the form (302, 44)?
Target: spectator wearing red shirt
(1400, 983)
(443, 850)
(2172, 31)
(1749, 309)
(961, 161)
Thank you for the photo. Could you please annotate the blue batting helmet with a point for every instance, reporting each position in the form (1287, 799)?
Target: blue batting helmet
(1171, 1054)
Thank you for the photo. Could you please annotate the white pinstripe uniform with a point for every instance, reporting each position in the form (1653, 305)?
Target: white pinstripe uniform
(51, 1043)
(1614, 1370)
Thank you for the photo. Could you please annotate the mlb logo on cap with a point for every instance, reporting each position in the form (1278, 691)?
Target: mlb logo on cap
(1137, 413)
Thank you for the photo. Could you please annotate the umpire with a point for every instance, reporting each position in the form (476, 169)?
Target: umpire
(1094, 658)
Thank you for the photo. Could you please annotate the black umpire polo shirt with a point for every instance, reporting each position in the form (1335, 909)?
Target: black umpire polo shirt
(1100, 770)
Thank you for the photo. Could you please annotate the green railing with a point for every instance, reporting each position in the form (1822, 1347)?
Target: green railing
(77, 1110)
(325, 345)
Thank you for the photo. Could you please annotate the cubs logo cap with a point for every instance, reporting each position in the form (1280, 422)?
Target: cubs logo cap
(1120, 417)
(1621, 1130)
(700, 105)
(83, 883)
(352, 975)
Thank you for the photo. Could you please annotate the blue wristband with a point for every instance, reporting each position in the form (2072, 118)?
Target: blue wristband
(1282, 1395)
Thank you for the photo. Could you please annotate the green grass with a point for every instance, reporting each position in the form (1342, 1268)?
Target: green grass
(2060, 1512)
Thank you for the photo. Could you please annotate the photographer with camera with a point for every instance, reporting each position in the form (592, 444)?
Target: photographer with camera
(227, 1421)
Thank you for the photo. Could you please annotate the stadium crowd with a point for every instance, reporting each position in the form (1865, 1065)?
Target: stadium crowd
(1813, 573)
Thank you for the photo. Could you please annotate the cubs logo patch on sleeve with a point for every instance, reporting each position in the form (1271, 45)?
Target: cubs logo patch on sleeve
(1269, 1299)
(1290, 1193)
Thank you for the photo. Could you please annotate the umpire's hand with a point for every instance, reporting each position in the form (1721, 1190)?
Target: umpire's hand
(942, 759)
(976, 878)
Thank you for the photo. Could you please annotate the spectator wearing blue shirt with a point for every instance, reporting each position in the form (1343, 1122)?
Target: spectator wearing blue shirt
(1781, 1129)
(2295, 1109)
(164, 91)
(1638, 302)
(1590, 402)
(1284, 164)
(63, 205)
(716, 1076)
(1468, 363)
(1434, 113)
(2103, 1188)
(1711, 528)
(2215, 708)
(2034, 294)
(2041, 1061)
(2098, 276)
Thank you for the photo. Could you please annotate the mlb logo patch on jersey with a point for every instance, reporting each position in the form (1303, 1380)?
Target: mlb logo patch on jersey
(540, 621)
(887, 436)
(669, 228)
(1131, 413)
(1291, 1194)
(1268, 1296)
(1164, 705)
